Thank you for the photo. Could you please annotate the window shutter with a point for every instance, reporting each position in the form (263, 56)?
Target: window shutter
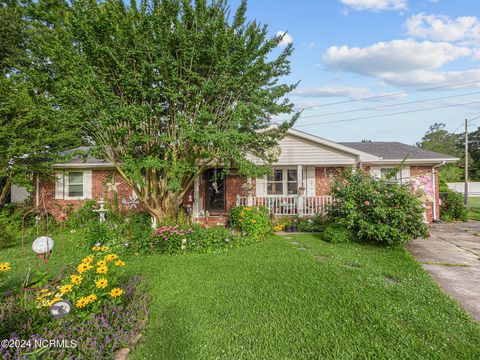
(87, 184)
(375, 172)
(311, 183)
(261, 186)
(405, 174)
(59, 185)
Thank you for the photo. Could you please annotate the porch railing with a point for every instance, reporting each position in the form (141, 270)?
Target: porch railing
(288, 205)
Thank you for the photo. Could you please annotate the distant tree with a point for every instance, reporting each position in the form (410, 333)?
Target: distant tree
(438, 139)
(165, 89)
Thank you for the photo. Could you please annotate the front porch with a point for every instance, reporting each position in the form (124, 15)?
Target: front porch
(289, 205)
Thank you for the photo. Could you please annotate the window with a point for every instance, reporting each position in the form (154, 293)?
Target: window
(386, 174)
(282, 182)
(75, 184)
(275, 183)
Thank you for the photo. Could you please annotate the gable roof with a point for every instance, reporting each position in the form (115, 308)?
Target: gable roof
(392, 150)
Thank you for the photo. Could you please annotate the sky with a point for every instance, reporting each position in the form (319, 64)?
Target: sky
(349, 50)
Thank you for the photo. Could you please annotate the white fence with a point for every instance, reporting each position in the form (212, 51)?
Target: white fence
(473, 188)
(289, 205)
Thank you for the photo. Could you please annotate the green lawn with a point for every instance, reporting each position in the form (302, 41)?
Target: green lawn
(474, 207)
(296, 298)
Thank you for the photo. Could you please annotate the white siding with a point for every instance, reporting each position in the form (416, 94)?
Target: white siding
(261, 186)
(59, 185)
(300, 151)
(311, 181)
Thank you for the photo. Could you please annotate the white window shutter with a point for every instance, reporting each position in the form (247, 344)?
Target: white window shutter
(59, 186)
(87, 184)
(375, 172)
(311, 183)
(405, 174)
(261, 186)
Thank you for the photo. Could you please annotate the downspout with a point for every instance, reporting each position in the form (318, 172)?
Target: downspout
(434, 215)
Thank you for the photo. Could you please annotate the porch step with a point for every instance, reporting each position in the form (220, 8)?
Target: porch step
(212, 220)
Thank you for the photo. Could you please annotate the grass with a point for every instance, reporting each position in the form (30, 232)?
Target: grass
(295, 298)
(474, 208)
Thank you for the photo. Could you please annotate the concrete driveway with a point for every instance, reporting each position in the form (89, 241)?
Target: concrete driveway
(452, 257)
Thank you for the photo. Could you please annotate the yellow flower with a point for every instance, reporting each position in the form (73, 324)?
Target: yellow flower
(87, 259)
(248, 208)
(101, 263)
(83, 267)
(120, 263)
(101, 283)
(111, 257)
(66, 288)
(5, 266)
(105, 248)
(254, 221)
(76, 279)
(242, 213)
(116, 292)
(96, 248)
(44, 291)
(81, 303)
(102, 270)
(91, 298)
(54, 300)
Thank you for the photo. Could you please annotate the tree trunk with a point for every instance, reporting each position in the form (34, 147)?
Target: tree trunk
(163, 209)
(5, 190)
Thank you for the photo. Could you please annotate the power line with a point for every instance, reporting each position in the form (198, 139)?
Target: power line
(390, 105)
(391, 114)
(390, 95)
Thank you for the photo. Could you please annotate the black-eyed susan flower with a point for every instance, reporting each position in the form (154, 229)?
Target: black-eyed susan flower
(120, 263)
(105, 248)
(4, 266)
(101, 263)
(83, 267)
(116, 292)
(76, 279)
(102, 270)
(101, 283)
(96, 248)
(66, 288)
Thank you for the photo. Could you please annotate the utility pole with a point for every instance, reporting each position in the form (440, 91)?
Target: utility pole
(465, 195)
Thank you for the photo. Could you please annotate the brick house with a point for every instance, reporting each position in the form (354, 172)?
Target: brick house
(300, 184)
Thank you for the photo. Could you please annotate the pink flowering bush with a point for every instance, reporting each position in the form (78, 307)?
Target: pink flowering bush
(375, 210)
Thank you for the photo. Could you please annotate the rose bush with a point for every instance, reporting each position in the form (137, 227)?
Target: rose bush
(375, 210)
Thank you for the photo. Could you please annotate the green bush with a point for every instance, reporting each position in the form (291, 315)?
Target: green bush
(314, 224)
(251, 221)
(336, 234)
(375, 210)
(451, 207)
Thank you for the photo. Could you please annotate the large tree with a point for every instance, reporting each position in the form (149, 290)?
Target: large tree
(165, 89)
(438, 139)
(31, 132)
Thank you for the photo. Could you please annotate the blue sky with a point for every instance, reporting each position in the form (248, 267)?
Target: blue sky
(352, 49)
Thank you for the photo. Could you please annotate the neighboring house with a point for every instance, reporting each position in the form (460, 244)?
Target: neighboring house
(300, 184)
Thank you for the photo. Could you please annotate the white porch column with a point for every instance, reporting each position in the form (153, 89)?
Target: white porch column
(301, 193)
(196, 197)
(249, 192)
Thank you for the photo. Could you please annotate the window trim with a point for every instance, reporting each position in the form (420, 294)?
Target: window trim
(398, 176)
(67, 186)
(284, 181)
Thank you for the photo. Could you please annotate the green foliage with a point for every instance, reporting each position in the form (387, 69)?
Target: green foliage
(314, 224)
(31, 132)
(376, 210)
(337, 234)
(451, 207)
(177, 239)
(207, 82)
(254, 221)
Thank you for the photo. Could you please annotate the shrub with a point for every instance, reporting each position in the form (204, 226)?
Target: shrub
(251, 221)
(279, 224)
(376, 210)
(452, 207)
(336, 234)
(314, 224)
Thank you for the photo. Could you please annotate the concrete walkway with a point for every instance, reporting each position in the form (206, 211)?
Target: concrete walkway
(452, 257)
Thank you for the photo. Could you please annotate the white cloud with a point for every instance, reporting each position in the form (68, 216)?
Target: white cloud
(287, 38)
(330, 91)
(436, 78)
(311, 45)
(376, 5)
(442, 28)
(396, 56)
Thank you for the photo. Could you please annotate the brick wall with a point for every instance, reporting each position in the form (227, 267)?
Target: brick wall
(99, 190)
(427, 171)
(324, 178)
